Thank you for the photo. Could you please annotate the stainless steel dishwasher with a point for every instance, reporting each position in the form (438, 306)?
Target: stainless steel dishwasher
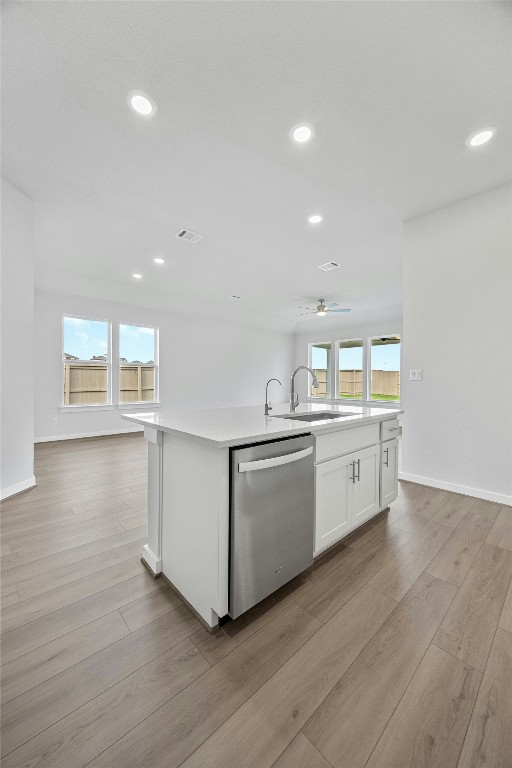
(272, 518)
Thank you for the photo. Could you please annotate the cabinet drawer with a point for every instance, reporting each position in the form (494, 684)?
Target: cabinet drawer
(389, 429)
(346, 441)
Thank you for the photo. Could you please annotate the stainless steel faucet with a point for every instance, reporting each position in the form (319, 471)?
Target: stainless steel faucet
(294, 399)
(268, 407)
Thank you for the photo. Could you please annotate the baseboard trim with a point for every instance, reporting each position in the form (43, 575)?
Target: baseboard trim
(478, 493)
(79, 435)
(151, 561)
(13, 490)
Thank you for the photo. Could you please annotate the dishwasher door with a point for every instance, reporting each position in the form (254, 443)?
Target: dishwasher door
(272, 518)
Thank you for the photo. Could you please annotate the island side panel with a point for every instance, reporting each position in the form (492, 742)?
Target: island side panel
(195, 523)
(152, 552)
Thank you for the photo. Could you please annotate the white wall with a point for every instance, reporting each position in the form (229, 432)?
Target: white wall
(381, 322)
(458, 330)
(17, 343)
(203, 363)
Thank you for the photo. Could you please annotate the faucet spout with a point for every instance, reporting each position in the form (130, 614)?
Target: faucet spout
(268, 406)
(294, 399)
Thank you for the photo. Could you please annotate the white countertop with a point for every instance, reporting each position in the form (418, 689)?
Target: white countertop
(225, 427)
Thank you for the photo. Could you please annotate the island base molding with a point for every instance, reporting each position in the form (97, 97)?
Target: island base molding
(211, 628)
(152, 563)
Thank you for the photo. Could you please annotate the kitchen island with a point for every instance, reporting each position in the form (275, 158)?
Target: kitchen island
(355, 477)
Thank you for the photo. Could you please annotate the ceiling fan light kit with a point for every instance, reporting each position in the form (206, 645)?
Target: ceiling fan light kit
(322, 309)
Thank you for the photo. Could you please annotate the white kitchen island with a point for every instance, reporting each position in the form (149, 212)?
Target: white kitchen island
(356, 474)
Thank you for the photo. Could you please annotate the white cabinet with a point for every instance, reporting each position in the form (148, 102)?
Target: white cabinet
(388, 473)
(364, 500)
(333, 480)
(347, 494)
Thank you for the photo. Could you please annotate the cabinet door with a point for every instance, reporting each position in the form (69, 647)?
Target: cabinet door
(388, 473)
(332, 519)
(364, 493)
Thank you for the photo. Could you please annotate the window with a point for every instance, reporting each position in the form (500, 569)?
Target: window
(320, 362)
(385, 368)
(350, 366)
(138, 370)
(86, 360)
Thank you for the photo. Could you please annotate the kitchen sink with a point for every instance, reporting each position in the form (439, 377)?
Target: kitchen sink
(316, 416)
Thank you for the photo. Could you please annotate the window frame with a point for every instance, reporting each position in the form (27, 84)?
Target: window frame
(366, 400)
(349, 400)
(156, 366)
(370, 369)
(108, 363)
(330, 366)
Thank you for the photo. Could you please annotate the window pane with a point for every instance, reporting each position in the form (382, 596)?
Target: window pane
(85, 339)
(351, 369)
(137, 363)
(385, 383)
(85, 384)
(321, 363)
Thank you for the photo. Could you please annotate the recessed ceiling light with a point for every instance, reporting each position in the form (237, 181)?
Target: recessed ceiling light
(301, 133)
(136, 276)
(316, 218)
(158, 260)
(141, 103)
(476, 139)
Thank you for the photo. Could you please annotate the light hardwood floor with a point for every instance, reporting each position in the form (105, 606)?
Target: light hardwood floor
(394, 650)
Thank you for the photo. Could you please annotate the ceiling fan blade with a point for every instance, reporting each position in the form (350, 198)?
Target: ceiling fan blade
(332, 305)
(340, 310)
(301, 314)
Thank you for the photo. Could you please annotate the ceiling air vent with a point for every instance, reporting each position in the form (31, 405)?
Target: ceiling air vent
(329, 265)
(186, 234)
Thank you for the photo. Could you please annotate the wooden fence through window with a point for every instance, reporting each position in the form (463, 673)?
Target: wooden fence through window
(350, 383)
(87, 384)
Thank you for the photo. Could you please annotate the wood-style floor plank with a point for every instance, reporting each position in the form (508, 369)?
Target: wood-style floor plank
(301, 754)
(505, 621)
(76, 739)
(500, 534)
(59, 577)
(331, 593)
(349, 723)
(105, 672)
(30, 636)
(166, 738)
(488, 742)
(399, 573)
(9, 596)
(18, 574)
(49, 602)
(282, 706)
(149, 608)
(36, 710)
(33, 668)
(35, 551)
(455, 558)
(468, 629)
(428, 727)
(215, 646)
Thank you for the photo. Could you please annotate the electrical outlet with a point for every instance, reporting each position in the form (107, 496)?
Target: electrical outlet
(54, 421)
(415, 375)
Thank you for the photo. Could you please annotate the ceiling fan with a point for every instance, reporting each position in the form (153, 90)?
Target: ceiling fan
(322, 309)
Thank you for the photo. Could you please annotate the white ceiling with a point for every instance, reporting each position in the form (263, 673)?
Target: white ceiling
(392, 88)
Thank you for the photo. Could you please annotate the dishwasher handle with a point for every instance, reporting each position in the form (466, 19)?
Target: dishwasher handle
(277, 461)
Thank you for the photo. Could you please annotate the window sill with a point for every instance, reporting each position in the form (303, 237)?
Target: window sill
(80, 408)
(142, 406)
